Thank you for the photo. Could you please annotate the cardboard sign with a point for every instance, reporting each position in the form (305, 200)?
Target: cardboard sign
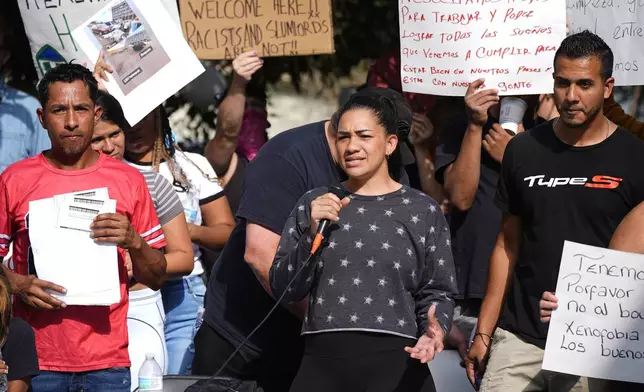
(621, 24)
(597, 329)
(223, 29)
(447, 44)
(150, 58)
(49, 25)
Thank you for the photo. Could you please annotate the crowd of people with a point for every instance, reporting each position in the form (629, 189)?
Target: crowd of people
(341, 255)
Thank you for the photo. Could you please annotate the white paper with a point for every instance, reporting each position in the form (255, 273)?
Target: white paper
(97, 193)
(78, 213)
(146, 71)
(70, 258)
(597, 329)
(445, 45)
(621, 24)
(49, 25)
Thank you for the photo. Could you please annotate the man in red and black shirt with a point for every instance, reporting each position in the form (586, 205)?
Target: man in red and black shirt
(79, 347)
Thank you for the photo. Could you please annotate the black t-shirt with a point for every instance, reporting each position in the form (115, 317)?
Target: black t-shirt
(473, 231)
(19, 351)
(287, 166)
(233, 191)
(560, 193)
(234, 187)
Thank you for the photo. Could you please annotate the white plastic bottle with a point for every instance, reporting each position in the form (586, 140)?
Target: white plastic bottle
(150, 375)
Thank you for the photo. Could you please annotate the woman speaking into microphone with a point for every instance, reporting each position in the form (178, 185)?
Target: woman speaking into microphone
(380, 286)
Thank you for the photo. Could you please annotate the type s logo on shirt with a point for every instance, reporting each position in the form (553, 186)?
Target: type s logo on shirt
(599, 181)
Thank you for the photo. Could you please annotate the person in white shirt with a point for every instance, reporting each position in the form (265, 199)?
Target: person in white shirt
(149, 146)
(145, 314)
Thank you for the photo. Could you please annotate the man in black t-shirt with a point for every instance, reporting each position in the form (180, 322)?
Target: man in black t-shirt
(238, 298)
(573, 178)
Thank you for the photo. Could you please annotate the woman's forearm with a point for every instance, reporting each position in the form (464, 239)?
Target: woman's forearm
(211, 237)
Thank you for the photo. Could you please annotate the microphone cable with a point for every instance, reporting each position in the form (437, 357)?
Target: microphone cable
(340, 192)
(277, 303)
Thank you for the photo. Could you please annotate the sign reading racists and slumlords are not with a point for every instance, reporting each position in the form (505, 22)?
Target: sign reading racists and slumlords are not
(223, 29)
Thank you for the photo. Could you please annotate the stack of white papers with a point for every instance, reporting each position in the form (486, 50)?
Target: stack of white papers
(65, 254)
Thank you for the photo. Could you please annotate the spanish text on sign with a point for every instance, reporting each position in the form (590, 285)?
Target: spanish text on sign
(447, 44)
(597, 329)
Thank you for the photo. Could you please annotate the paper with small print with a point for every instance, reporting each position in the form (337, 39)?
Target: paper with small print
(65, 254)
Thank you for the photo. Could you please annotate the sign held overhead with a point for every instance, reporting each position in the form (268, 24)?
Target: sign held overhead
(446, 45)
(223, 29)
(150, 58)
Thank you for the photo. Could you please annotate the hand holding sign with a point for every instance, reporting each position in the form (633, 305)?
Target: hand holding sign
(547, 305)
(100, 70)
(478, 102)
(245, 65)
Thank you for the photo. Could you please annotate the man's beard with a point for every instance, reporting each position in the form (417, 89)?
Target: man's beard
(589, 118)
(75, 149)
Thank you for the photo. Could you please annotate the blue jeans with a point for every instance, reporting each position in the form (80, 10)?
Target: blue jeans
(108, 380)
(182, 300)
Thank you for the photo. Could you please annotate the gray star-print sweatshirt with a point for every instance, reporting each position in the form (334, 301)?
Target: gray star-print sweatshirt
(384, 264)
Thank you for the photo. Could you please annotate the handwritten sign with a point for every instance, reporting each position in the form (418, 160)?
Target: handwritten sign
(223, 29)
(621, 24)
(49, 25)
(447, 44)
(597, 329)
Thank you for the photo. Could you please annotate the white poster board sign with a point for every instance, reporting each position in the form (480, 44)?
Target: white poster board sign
(597, 329)
(49, 25)
(445, 45)
(621, 24)
(150, 57)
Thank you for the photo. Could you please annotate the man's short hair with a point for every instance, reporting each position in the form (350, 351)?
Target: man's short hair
(67, 73)
(586, 44)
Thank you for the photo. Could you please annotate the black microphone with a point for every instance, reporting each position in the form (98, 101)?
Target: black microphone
(323, 227)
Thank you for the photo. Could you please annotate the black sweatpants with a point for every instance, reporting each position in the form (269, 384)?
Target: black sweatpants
(360, 362)
(272, 375)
